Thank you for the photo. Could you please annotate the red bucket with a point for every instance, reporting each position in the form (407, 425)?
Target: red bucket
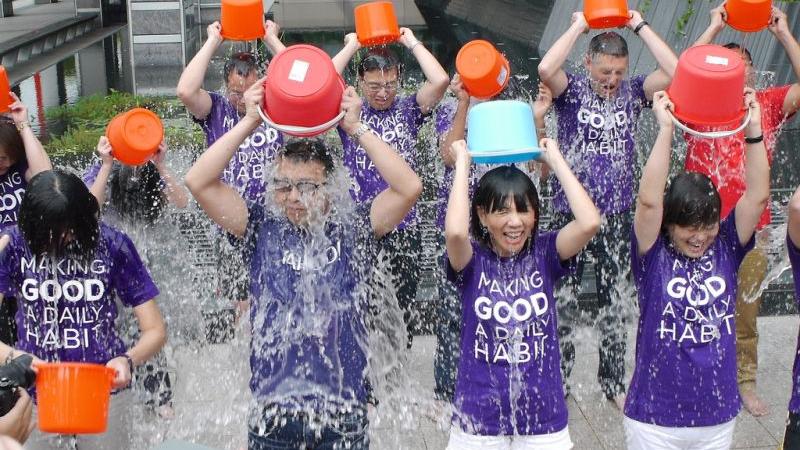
(73, 397)
(242, 20)
(135, 136)
(748, 15)
(709, 72)
(5, 88)
(606, 13)
(302, 92)
(483, 70)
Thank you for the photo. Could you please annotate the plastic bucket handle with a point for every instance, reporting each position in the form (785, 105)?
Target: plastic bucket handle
(710, 134)
(299, 130)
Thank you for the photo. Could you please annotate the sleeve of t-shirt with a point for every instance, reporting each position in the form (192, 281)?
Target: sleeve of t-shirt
(555, 265)
(462, 277)
(640, 264)
(9, 272)
(727, 231)
(568, 96)
(132, 282)
(91, 172)
(412, 109)
(255, 217)
(794, 254)
(216, 104)
(637, 87)
(775, 96)
(443, 119)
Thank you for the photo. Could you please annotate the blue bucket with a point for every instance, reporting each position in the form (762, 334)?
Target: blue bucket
(501, 132)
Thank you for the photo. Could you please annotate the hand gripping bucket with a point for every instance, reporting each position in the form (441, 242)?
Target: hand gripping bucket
(302, 92)
(73, 397)
(502, 131)
(483, 70)
(376, 23)
(709, 72)
(242, 20)
(135, 136)
(5, 88)
(606, 13)
(748, 15)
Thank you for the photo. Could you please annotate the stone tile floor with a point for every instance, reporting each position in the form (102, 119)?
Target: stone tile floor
(210, 403)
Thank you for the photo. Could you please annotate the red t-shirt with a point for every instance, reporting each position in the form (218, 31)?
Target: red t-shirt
(722, 159)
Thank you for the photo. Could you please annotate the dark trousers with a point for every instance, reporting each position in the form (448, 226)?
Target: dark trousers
(403, 248)
(283, 431)
(8, 325)
(448, 334)
(610, 250)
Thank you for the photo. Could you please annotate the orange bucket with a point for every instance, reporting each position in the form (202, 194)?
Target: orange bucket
(302, 92)
(5, 88)
(242, 20)
(73, 397)
(708, 72)
(606, 13)
(483, 70)
(376, 23)
(748, 15)
(135, 136)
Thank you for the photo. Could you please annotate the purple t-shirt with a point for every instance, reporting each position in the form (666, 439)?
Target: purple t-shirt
(398, 126)
(596, 136)
(509, 374)
(308, 310)
(66, 308)
(245, 172)
(794, 258)
(13, 185)
(685, 373)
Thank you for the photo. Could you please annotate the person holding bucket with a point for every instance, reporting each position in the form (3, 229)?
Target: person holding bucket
(509, 391)
(217, 113)
(308, 246)
(685, 258)
(722, 159)
(21, 157)
(65, 268)
(597, 116)
(397, 120)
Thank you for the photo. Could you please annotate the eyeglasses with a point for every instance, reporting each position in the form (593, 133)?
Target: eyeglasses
(374, 87)
(285, 186)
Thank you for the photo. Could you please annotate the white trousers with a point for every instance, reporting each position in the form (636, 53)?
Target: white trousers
(645, 436)
(459, 440)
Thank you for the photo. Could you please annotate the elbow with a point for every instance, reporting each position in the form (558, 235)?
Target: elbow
(414, 188)
(183, 92)
(192, 182)
(458, 236)
(442, 82)
(591, 225)
(545, 72)
(794, 208)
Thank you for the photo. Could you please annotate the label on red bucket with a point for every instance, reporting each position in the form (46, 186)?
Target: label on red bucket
(501, 77)
(299, 70)
(718, 60)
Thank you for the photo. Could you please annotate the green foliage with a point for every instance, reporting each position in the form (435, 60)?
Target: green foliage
(86, 120)
(684, 19)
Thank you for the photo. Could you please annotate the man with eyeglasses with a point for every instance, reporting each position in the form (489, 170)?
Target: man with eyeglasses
(217, 113)
(311, 252)
(396, 119)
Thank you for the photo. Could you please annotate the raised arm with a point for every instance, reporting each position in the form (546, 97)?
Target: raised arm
(665, 57)
(391, 206)
(432, 91)
(794, 218)
(756, 174)
(221, 202)
(540, 106)
(574, 236)
(718, 19)
(650, 201)
(174, 192)
(37, 158)
(779, 26)
(98, 188)
(190, 85)
(342, 59)
(550, 67)
(152, 336)
(271, 39)
(456, 221)
(458, 127)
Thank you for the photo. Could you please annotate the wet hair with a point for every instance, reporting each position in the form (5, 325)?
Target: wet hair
(379, 59)
(57, 205)
(242, 63)
(306, 150)
(494, 189)
(609, 43)
(739, 48)
(691, 200)
(11, 140)
(135, 192)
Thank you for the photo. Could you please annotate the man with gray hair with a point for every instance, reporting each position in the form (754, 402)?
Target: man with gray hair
(597, 115)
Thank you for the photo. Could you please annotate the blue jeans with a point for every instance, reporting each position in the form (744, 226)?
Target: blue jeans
(294, 431)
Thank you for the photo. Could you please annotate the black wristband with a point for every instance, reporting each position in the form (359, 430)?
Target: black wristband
(639, 27)
(130, 362)
(754, 140)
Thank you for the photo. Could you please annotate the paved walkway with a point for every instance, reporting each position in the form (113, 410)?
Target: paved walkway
(212, 395)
